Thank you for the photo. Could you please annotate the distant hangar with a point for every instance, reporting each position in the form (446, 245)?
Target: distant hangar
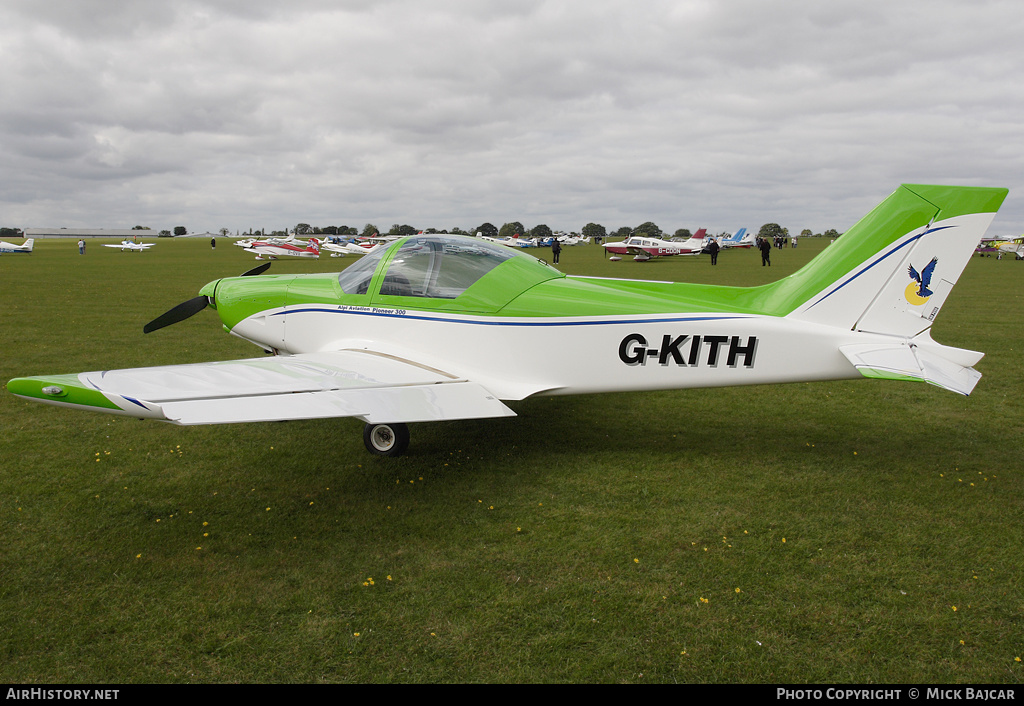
(88, 233)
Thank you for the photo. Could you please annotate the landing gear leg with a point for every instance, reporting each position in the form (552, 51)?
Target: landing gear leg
(386, 439)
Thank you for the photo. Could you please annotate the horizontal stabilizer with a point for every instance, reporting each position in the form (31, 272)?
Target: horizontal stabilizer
(906, 361)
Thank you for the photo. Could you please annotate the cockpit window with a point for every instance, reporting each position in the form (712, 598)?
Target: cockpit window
(355, 279)
(439, 267)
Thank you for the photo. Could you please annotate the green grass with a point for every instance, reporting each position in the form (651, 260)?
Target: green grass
(797, 533)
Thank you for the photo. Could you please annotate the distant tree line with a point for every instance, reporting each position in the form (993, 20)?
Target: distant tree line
(513, 229)
(594, 231)
(770, 231)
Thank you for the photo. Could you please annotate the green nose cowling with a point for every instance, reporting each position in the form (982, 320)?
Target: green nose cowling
(236, 298)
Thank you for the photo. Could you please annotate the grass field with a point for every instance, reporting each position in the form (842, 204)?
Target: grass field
(860, 531)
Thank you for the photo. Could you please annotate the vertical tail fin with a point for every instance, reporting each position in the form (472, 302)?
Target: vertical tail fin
(893, 270)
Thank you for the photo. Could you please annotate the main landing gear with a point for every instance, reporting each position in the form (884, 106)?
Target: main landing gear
(386, 439)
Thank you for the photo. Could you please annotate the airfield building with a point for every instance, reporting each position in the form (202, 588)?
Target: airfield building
(88, 233)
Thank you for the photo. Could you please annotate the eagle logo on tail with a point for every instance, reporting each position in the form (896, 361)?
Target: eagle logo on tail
(918, 291)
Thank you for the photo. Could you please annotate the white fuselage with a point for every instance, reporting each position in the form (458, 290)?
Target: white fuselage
(25, 247)
(129, 245)
(275, 250)
(515, 358)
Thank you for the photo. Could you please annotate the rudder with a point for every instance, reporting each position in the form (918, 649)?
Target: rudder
(892, 271)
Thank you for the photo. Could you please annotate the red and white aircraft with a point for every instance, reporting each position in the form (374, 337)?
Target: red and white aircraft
(644, 248)
(274, 250)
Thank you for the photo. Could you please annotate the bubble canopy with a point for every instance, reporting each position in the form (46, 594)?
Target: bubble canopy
(440, 267)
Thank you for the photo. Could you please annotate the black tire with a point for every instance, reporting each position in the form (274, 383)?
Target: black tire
(386, 439)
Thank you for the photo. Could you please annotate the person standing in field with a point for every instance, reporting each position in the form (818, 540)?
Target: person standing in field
(766, 252)
(713, 249)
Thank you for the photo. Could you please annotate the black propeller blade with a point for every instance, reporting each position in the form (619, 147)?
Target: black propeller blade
(192, 306)
(179, 313)
(258, 270)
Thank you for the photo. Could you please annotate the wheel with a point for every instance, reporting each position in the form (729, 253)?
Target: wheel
(386, 439)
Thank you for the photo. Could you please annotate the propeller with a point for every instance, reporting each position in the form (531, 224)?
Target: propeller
(258, 270)
(193, 306)
(179, 313)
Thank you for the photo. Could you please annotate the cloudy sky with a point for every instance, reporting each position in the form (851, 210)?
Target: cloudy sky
(441, 113)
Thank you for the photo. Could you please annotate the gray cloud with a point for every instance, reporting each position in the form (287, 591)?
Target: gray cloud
(445, 113)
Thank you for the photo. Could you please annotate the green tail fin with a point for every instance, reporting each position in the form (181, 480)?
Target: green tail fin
(880, 275)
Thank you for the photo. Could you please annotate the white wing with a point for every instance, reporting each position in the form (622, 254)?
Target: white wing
(351, 383)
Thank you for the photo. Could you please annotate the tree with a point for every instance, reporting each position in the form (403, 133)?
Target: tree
(402, 230)
(683, 233)
(623, 232)
(224, 231)
(806, 233)
(648, 229)
(832, 233)
(770, 231)
(303, 229)
(180, 230)
(488, 230)
(140, 227)
(370, 230)
(541, 232)
(594, 231)
(512, 229)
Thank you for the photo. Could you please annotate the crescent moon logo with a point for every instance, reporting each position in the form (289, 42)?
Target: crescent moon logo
(912, 296)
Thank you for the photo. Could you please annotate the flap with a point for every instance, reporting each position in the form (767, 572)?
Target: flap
(411, 403)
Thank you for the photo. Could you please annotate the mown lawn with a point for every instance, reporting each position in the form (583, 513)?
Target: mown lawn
(860, 531)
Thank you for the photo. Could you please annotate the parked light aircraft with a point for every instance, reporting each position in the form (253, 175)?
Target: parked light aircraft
(739, 239)
(247, 242)
(519, 242)
(439, 327)
(11, 247)
(129, 245)
(1014, 247)
(274, 250)
(335, 249)
(643, 248)
(573, 240)
(989, 245)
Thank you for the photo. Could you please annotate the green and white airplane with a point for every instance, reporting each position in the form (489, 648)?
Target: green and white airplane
(440, 327)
